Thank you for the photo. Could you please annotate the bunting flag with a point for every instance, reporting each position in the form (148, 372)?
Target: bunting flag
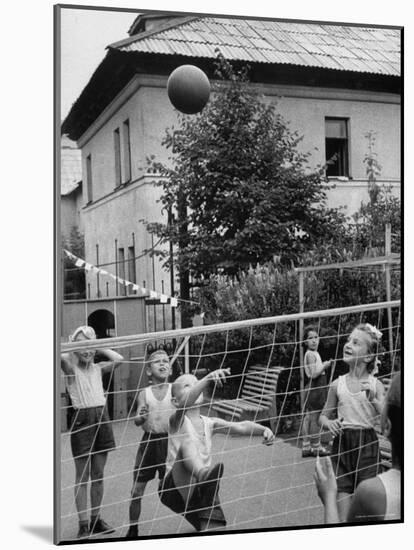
(79, 263)
(144, 292)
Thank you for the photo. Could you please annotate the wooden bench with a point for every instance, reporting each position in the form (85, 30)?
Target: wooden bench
(258, 397)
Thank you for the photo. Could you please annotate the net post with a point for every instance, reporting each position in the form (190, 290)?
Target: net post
(388, 283)
(301, 309)
(187, 357)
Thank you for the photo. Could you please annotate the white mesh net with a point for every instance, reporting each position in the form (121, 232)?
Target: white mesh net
(262, 486)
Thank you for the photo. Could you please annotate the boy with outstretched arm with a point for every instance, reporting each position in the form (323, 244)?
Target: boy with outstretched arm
(191, 484)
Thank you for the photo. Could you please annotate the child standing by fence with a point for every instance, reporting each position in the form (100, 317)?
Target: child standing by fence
(357, 398)
(377, 498)
(316, 392)
(91, 431)
(154, 411)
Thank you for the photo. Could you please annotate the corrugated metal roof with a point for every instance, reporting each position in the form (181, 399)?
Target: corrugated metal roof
(70, 166)
(341, 47)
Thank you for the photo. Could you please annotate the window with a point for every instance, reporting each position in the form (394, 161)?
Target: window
(336, 146)
(132, 275)
(89, 197)
(121, 270)
(117, 148)
(127, 151)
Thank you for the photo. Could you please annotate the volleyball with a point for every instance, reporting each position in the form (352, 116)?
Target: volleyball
(188, 89)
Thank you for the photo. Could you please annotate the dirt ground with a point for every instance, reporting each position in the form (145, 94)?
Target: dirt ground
(262, 487)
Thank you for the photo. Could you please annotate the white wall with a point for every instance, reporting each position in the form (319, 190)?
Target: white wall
(117, 214)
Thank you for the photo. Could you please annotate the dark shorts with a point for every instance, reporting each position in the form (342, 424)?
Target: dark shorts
(203, 504)
(316, 394)
(151, 457)
(91, 432)
(355, 457)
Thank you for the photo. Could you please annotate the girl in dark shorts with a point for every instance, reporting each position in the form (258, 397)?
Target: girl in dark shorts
(357, 399)
(91, 432)
(316, 392)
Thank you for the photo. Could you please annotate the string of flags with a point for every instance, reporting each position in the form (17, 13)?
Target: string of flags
(163, 298)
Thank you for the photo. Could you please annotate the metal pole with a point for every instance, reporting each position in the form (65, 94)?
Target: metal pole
(135, 262)
(163, 306)
(388, 284)
(137, 339)
(97, 275)
(172, 309)
(116, 267)
(153, 282)
(187, 358)
(301, 309)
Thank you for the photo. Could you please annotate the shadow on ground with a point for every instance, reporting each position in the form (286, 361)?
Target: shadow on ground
(43, 532)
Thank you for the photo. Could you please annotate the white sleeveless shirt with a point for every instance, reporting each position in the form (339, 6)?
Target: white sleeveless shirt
(159, 411)
(392, 486)
(202, 441)
(313, 358)
(85, 387)
(355, 408)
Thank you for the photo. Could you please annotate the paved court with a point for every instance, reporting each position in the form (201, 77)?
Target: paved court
(262, 487)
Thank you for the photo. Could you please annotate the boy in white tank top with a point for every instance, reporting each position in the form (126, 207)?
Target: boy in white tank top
(91, 434)
(154, 411)
(378, 498)
(191, 483)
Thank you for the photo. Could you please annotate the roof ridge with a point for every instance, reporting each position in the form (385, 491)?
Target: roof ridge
(141, 36)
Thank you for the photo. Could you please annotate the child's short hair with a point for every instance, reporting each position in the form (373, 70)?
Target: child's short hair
(152, 351)
(155, 353)
(308, 329)
(87, 331)
(374, 347)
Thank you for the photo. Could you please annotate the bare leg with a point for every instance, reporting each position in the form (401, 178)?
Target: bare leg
(344, 504)
(98, 462)
(209, 524)
(314, 429)
(306, 430)
(82, 466)
(135, 506)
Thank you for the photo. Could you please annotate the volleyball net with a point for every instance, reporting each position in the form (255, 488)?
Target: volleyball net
(262, 487)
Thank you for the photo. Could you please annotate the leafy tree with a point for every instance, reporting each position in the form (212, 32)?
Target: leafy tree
(238, 187)
(370, 223)
(383, 207)
(372, 166)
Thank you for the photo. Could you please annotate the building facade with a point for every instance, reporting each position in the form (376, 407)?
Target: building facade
(333, 84)
(71, 196)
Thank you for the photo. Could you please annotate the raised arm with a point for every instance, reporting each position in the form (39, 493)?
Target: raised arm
(188, 398)
(112, 359)
(65, 364)
(218, 377)
(313, 368)
(326, 486)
